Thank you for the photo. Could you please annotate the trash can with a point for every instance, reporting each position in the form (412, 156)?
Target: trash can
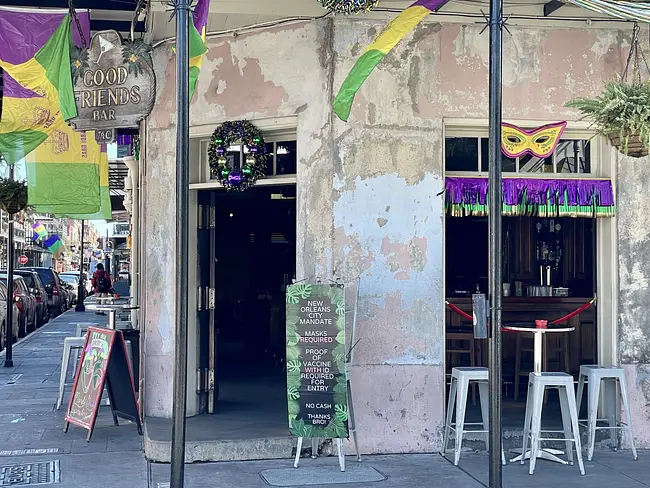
(133, 335)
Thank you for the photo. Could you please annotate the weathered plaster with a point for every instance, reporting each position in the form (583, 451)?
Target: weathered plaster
(368, 194)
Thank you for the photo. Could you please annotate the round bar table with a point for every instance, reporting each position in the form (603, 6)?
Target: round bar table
(111, 309)
(538, 333)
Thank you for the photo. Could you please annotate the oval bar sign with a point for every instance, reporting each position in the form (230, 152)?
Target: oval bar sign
(114, 82)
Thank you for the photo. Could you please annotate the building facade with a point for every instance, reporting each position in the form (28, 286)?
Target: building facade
(370, 200)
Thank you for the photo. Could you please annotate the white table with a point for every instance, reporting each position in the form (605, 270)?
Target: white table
(111, 309)
(538, 334)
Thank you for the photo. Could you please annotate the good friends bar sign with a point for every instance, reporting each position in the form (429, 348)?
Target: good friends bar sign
(114, 83)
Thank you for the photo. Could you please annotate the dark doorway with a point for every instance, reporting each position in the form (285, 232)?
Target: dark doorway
(252, 256)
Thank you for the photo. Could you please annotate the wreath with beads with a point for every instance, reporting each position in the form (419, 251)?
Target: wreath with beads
(243, 176)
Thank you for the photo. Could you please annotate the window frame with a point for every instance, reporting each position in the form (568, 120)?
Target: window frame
(460, 128)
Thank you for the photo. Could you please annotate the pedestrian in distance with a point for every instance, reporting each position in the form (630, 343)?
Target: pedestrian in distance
(101, 283)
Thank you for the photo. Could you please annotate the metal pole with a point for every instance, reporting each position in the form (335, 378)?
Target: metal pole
(182, 8)
(495, 217)
(9, 336)
(81, 289)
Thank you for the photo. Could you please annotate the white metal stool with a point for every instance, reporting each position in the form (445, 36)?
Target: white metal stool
(611, 375)
(537, 385)
(77, 343)
(458, 391)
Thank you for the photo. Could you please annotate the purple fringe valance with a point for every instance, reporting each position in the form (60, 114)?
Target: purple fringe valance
(533, 196)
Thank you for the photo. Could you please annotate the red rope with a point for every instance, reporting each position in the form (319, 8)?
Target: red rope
(575, 312)
(459, 311)
(555, 322)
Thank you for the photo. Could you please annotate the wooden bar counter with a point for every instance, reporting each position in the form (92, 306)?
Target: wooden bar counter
(582, 341)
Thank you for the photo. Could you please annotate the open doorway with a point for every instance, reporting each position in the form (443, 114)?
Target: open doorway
(247, 257)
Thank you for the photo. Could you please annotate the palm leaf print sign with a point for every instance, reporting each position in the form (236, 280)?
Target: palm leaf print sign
(316, 379)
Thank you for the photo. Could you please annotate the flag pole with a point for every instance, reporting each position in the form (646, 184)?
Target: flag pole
(494, 244)
(9, 336)
(81, 289)
(182, 12)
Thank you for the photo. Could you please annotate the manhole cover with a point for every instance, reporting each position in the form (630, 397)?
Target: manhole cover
(28, 474)
(321, 475)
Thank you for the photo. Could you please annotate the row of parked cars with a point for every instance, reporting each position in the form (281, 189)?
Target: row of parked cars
(39, 294)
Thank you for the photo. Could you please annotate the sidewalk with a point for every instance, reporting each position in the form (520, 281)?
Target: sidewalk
(31, 433)
(31, 430)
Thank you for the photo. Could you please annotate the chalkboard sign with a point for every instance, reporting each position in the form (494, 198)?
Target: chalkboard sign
(103, 362)
(316, 378)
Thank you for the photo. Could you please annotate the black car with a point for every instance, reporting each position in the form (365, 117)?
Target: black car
(37, 289)
(52, 283)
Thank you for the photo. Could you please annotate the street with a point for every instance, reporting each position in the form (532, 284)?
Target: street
(35, 450)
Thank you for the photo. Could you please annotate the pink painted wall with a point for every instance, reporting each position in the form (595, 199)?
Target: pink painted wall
(368, 202)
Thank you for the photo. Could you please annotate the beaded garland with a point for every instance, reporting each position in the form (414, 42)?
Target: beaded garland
(349, 6)
(254, 164)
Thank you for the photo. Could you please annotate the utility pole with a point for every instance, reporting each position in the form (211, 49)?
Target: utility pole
(9, 336)
(182, 12)
(495, 218)
(81, 288)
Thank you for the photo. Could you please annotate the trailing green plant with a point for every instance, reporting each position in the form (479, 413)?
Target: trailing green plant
(621, 112)
(13, 195)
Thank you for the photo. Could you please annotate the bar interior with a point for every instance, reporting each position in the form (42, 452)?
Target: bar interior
(549, 267)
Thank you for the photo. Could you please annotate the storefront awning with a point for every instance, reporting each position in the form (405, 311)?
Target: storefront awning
(465, 196)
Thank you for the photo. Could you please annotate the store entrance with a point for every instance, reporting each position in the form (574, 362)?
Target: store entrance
(247, 249)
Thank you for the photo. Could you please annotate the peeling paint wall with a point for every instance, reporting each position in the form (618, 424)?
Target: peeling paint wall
(369, 191)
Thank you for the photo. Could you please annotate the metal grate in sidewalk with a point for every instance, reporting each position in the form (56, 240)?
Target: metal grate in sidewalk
(30, 474)
(321, 475)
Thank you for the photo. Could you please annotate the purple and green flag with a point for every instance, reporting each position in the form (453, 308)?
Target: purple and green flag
(54, 244)
(39, 231)
(38, 95)
(384, 43)
(198, 46)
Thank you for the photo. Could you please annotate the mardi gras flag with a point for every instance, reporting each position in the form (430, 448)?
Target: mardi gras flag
(105, 209)
(54, 244)
(38, 95)
(198, 45)
(394, 32)
(39, 231)
(63, 173)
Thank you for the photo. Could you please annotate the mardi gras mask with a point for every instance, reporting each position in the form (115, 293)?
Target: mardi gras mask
(540, 142)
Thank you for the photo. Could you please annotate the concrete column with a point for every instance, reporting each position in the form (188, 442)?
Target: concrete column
(134, 267)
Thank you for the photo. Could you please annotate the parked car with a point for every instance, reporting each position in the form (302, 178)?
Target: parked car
(75, 274)
(26, 304)
(55, 299)
(71, 283)
(38, 291)
(3, 316)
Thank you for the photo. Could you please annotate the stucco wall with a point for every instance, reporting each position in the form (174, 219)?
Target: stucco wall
(369, 200)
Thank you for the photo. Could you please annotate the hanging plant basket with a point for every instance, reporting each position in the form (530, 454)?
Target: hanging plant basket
(13, 195)
(633, 147)
(622, 111)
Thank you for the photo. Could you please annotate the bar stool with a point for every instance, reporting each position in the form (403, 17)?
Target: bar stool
(562, 349)
(460, 380)
(469, 349)
(537, 385)
(594, 374)
(77, 343)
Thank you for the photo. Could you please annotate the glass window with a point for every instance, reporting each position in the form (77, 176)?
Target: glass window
(573, 156)
(461, 154)
(286, 157)
(270, 160)
(532, 164)
(508, 165)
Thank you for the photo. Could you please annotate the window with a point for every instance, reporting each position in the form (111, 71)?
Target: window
(281, 150)
(471, 154)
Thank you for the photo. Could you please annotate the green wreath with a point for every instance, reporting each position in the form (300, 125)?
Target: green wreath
(240, 132)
